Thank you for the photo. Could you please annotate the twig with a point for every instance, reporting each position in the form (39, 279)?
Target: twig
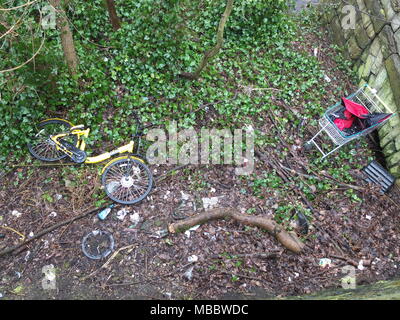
(21, 6)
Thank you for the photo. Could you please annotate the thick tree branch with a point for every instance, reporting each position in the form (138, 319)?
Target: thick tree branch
(214, 51)
(288, 240)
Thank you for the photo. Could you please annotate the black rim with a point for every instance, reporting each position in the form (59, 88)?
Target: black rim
(127, 181)
(42, 147)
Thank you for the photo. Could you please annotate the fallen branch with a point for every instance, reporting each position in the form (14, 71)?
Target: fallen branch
(288, 240)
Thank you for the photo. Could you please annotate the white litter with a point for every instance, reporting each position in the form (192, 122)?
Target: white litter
(187, 232)
(193, 258)
(368, 217)
(315, 52)
(135, 218)
(121, 214)
(325, 262)
(189, 273)
(53, 214)
(16, 213)
(360, 265)
(327, 79)
(58, 197)
(185, 196)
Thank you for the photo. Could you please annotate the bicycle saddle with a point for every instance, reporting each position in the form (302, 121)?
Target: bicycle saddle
(78, 127)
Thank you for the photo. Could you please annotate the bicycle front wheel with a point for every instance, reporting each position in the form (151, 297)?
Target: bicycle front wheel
(42, 147)
(127, 181)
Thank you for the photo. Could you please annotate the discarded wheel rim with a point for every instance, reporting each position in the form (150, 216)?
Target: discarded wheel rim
(98, 249)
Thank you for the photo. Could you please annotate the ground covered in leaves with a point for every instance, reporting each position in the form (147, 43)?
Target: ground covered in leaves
(350, 222)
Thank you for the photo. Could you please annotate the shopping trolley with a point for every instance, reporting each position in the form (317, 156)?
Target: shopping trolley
(365, 96)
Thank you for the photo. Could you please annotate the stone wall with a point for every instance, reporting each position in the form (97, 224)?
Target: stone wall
(373, 44)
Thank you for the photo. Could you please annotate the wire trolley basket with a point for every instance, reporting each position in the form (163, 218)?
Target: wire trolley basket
(365, 96)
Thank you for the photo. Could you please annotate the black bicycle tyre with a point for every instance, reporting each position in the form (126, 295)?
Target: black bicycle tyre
(114, 166)
(60, 155)
(103, 254)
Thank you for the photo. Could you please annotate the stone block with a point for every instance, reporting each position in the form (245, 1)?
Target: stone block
(361, 36)
(388, 42)
(374, 8)
(380, 78)
(377, 63)
(375, 47)
(388, 9)
(389, 149)
(390, 136)
(397, 39)
(396, 5)
(393, 70)
(394, 159)
(354, 50)
(396, 22)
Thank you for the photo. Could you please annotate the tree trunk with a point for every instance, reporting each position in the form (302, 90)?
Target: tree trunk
(67, 40)
(214, 51)
(113, 15)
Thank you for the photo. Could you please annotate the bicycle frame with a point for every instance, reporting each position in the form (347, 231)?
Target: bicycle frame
(81, 144)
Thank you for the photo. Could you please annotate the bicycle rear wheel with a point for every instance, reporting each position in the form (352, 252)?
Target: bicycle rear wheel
(127, 181)
(42, 147)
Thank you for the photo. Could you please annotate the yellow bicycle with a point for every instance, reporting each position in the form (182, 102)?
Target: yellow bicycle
(126, 179)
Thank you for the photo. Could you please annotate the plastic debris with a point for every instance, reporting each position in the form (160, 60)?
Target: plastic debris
(102, 215)
(160, 234)
(121, 214)
(28, 254)
(361, 265)
(53, 214)
(185, 196)
(97, 244)
(1, 295)
(16, 213)
(187, 232)
(193, 258)
(31, 234)
(134, 218)
(58, 197)
(168, 294)
(327, 79)
(189, 273)
(325, 262)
